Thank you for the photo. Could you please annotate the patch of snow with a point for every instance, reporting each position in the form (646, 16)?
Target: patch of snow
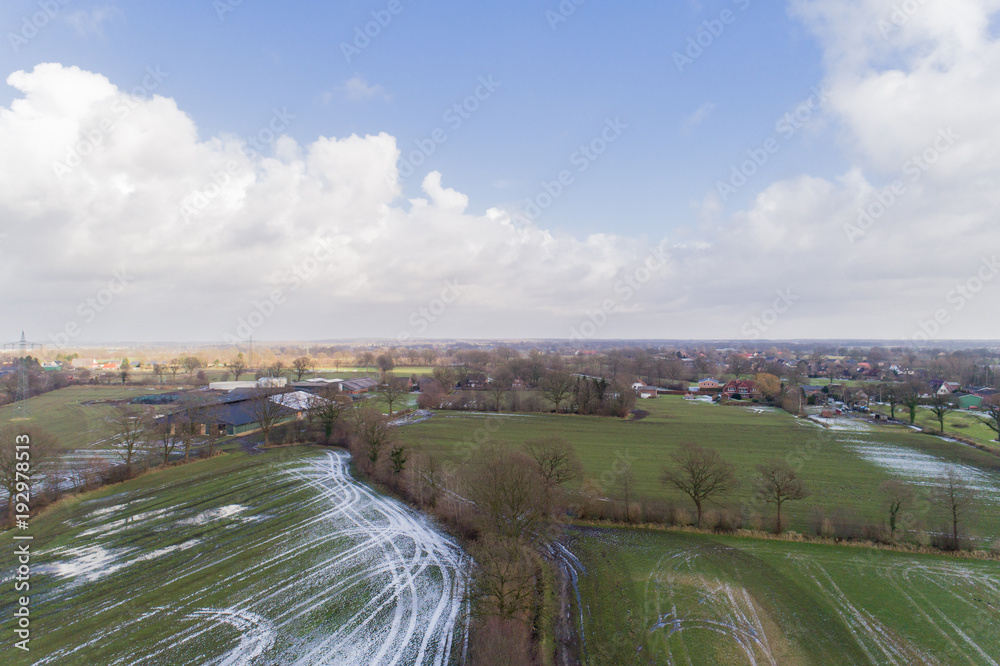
(213, 514)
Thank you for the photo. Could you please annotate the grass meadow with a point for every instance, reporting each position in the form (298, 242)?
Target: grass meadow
(655, 597)
(843, 468)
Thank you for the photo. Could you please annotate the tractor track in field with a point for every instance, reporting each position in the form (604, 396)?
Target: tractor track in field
(373, 582)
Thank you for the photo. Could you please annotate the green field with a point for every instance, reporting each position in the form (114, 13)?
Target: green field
(66, 415)
(273, 557)
(843, 468)
(655, 597)
(964, 423)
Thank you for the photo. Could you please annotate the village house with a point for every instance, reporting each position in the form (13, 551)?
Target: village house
(742, 389)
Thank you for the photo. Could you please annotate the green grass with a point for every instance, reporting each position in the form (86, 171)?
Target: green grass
(121, 573)
(830, 463)
(959, 422)
(63, 413)
(670, 597)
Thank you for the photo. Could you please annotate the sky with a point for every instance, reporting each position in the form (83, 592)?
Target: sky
(207, 170)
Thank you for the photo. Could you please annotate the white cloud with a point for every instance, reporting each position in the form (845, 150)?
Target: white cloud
(194, 276)
(359, 90)
(697, 117)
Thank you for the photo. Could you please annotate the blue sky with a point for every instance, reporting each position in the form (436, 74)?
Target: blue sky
(557, 87)
(872, 88)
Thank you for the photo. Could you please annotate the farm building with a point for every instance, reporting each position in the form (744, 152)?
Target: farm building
(967, 400)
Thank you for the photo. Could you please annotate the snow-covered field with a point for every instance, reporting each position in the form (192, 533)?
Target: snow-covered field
(923, 469)
(340, 575)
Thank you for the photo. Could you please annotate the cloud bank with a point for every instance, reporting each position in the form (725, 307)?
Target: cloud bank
(318, 241)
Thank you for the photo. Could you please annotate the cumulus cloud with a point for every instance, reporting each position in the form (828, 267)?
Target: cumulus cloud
(359, 90)
(208, 228)
(209, 231)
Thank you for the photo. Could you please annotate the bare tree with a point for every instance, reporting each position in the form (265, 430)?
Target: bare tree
(267, 411)
(237, 366)
(739, 365)
(190, 363)
(158, 370)
(991, 406)
(328, 409)
(505, 577)
(390, 389)
(897, 496)
(23, 450)
(556, 462)
(776, 483)
(941, 406)
(128, 437)
(625, 480)
(700, 473)
(956, 498)
(276, 369)
(498, 387)
(162, 429)
(507, 491)
(385, 362)
(557, 387)
(373, 432)
(893, 395)
(301, 366)
(911, 400)
(173, 365)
